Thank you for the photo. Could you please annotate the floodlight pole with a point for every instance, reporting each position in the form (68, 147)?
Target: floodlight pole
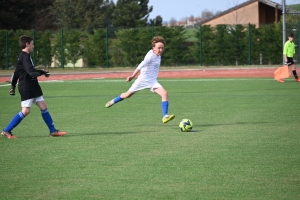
(283, 26)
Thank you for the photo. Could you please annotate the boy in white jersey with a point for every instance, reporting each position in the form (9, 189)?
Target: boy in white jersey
(148, 69)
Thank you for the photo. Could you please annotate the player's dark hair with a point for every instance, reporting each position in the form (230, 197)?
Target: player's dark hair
(23, 40)
(157, 39)
(291, 35)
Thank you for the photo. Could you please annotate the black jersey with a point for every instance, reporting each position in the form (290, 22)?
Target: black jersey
(28, 83)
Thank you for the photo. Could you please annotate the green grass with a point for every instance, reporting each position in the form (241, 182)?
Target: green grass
(245, 143)
(295, 6)
(190, 34)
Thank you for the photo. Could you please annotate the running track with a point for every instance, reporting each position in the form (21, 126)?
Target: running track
(193, 73)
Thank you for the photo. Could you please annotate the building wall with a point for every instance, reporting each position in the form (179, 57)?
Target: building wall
(268, 14)
(243, 15)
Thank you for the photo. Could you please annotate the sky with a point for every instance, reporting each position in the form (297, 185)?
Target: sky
(180, 9)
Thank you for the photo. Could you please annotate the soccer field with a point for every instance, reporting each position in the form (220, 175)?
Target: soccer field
(245, 142)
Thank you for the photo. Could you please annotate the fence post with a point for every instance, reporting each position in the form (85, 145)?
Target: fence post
(249, 42)
(106, 44)
(6, 49)
(33, 35)
(62, 49)
(200, 47)
(283, 27)
(298, 59)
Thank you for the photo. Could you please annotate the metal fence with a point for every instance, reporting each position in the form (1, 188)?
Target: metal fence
(292, 25)
(223, 45)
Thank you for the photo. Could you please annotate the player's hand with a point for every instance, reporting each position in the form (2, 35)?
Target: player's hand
(47, 74)
(129, 78)
(12, 91)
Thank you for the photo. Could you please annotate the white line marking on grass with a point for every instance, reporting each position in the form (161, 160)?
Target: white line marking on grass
(160, 80)
(5, 85)
(211, 79)
(52, 81)
(95, 80)
(170, 80)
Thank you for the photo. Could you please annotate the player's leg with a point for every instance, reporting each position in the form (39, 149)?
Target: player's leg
(119, 98)
(293, 67)
(164, 104)
(16, 120)
(135, 87)
(295, 73)
(47, 117)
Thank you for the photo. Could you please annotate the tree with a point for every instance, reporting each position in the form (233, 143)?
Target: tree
(42, 48)
(206, 14)
(133, 44)
(203, 48)
(94, 49)
(26, 14)
(176, 49)
(219, 43)
(78, 14)
(236, 38)
(73, 46)
(173, 22)
(270, 45)
(157, 21)
(131, 13)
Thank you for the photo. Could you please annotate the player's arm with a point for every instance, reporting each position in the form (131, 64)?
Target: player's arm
(284, 52)
(28, 67)
(13, 82)
(136, 71)
(14, 78)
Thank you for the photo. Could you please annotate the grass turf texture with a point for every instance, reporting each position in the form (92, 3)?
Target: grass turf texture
(245, 144)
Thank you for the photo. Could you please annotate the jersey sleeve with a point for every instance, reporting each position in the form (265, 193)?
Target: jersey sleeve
(146, 61)
(29, 68)
(285, 49)
(14, 78)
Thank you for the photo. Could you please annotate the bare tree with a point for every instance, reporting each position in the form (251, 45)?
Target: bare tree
(173, 22)
(205, 14)
(237, 17)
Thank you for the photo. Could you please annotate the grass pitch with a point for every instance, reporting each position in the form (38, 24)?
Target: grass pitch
(245, 143)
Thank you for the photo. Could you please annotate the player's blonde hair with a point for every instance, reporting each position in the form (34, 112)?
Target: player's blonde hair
(157, 39)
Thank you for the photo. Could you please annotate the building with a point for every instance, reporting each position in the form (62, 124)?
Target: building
(256, 12)
(189, 22)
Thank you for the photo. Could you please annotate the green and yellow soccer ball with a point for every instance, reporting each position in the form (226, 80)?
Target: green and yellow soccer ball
(186, 125)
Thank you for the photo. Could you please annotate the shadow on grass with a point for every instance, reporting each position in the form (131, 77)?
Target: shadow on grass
(104, 133)
(236, 123)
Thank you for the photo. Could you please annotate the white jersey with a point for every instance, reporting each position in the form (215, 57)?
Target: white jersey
(149, 69)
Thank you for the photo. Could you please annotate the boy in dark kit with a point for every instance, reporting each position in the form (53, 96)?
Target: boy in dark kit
(29, 90)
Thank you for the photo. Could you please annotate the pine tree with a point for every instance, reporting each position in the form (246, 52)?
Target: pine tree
(131, 13)
(78, 14)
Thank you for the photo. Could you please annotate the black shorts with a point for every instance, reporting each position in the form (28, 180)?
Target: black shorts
(290, 60)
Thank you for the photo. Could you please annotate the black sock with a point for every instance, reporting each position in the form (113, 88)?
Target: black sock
(295, 73)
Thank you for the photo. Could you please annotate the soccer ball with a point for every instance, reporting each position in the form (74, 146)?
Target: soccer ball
(186, 125)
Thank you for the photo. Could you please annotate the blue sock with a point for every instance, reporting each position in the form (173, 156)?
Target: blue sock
(165, 107)
(117, 99)
(48, 120)
(14, 122)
